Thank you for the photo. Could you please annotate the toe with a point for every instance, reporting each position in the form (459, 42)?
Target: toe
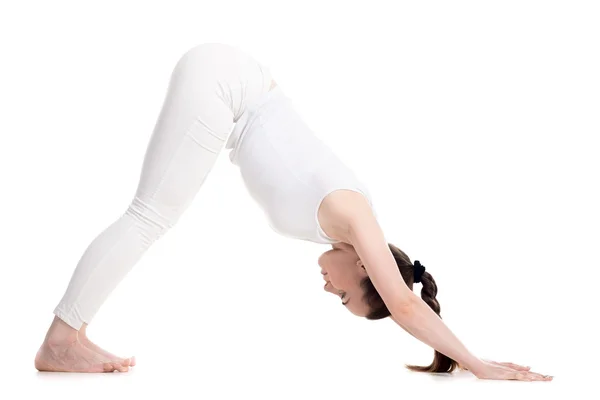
(118, 367)
(106, 367)
(132, 361)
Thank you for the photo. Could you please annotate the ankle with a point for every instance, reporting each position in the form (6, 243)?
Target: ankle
(82, 334)
(61, 333)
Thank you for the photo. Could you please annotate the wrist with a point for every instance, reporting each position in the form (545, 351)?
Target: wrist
(472, 363)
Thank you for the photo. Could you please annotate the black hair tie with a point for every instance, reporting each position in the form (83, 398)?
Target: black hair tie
(418, 271)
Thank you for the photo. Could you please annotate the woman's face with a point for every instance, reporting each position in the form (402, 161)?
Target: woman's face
(342, 271)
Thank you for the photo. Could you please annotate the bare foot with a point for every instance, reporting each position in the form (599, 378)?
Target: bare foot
(72, 356)
(127, 362)
(62, 351)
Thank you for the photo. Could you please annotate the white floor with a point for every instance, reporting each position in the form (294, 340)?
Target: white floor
(282, 378)
(300, 357)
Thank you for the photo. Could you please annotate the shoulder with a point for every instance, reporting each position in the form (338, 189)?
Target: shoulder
(340, 209)
(344, 201)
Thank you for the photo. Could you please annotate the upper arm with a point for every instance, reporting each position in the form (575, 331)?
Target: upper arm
(368, 240)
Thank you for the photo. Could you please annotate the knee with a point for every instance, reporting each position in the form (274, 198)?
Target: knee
(150, 222)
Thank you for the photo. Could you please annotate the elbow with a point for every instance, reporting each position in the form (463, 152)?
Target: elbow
(404, 310)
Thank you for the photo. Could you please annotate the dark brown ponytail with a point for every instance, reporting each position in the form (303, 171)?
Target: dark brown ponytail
(379, 310)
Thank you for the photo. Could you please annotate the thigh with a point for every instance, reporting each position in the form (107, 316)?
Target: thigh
(192, 129)
(183, 175)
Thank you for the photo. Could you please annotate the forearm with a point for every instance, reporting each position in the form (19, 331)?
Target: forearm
(418, 319)
(407, 331)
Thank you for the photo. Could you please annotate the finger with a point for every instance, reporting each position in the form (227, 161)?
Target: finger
(512, 365)
(540, 376)
(509, 365)
(534, 373)
(523, 376)
(531, 376)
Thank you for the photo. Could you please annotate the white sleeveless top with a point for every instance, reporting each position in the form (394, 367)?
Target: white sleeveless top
(286, 168)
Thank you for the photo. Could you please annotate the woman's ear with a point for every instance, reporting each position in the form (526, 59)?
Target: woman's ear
(360, 264)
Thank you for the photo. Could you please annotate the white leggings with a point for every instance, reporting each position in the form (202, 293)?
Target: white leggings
(210, 87)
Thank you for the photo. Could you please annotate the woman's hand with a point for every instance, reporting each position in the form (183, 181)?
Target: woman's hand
(504, 370)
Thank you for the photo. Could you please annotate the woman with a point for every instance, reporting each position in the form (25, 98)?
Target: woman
(305, 191)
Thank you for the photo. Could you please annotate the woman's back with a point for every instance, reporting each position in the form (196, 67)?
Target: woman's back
(286, 168)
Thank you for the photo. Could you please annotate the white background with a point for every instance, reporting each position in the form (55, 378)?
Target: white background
(474, 124)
